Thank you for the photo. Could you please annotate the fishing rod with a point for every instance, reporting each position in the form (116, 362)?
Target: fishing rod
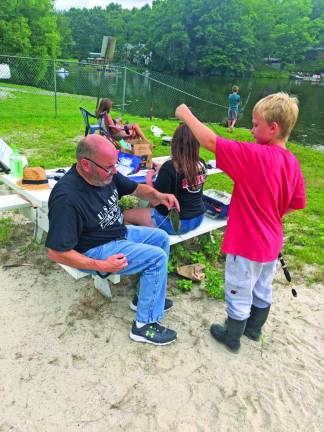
(246, 101)
(285, 269)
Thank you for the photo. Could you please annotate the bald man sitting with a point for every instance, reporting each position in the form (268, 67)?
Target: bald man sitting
(86, 231)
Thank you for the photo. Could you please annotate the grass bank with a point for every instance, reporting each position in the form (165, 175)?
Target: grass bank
(27, 120)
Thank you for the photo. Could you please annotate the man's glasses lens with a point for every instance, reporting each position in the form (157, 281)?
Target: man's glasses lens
(107, 170)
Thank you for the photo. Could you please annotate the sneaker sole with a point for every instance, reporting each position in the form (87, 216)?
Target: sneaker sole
(134, 308)
(142, 339)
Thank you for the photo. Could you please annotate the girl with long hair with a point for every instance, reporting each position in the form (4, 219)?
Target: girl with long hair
(184, 176)
(127, 131)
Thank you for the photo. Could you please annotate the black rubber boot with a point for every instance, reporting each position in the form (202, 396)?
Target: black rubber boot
(255, 322)
(230, 334)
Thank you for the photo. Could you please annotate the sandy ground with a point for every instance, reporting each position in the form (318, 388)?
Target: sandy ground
(69, 365)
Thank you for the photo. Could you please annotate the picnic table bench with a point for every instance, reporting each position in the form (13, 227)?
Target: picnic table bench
(34, 205)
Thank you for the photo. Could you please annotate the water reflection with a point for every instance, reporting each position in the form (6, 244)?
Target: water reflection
(147, 97)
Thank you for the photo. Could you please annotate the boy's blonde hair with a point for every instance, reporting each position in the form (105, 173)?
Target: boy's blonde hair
(280, 108)
(235, 88)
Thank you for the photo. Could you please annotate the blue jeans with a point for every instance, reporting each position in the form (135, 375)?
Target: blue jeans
(164, 223)
(147, 252)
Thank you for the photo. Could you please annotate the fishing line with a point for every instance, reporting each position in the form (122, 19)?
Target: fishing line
(180, 91)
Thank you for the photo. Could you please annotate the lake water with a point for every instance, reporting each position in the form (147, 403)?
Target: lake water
(145, 95)
(309, 129)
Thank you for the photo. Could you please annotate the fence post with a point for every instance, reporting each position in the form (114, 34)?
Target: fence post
(124, 90)
(55, 89)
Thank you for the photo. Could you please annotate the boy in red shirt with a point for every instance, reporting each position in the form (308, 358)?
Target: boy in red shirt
(268, 183)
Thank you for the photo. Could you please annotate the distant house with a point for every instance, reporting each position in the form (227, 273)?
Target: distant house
(271, 60)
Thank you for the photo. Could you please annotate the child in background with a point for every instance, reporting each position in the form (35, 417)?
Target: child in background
(128, 132)
(184, 176)
(268, 184)
(234, 101)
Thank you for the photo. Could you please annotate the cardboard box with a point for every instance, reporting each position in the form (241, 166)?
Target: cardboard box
(143, 151)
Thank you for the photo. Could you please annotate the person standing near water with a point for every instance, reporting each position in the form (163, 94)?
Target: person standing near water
(234, 101)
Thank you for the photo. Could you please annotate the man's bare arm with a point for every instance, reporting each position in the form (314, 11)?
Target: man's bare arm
(205, 136)
(72, 258)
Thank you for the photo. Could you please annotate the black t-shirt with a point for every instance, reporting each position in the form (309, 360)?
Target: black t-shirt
(190, 198)
(82, 216)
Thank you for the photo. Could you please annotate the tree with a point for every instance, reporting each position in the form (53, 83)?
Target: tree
(28, 27)
(194, 36)
(293, 29)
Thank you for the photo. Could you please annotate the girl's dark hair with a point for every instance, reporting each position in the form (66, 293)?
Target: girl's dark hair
(185, 154)
(104, 106)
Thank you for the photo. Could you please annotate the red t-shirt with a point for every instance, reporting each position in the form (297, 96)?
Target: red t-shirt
(267, 182)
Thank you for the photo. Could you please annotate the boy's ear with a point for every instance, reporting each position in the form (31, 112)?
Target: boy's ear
(275, 127)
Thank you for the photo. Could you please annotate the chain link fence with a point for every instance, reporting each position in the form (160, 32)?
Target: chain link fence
(71, 84)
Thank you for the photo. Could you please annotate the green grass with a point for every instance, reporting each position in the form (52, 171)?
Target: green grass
(266, 71)
(6, 231)
(27, 120)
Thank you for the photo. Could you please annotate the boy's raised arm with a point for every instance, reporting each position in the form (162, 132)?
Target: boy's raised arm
(205, 136)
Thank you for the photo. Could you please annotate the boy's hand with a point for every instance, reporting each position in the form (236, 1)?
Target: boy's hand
(182, 111)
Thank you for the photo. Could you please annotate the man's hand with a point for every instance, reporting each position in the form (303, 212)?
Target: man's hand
(182, 112)
(168, 200)
(148, 193)
(112, 264)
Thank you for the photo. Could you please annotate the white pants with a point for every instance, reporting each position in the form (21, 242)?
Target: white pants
(247, 283)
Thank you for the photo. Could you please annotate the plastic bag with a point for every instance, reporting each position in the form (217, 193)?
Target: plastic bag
(156, 131)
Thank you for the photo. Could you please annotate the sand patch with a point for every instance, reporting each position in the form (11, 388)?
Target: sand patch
(69, 365)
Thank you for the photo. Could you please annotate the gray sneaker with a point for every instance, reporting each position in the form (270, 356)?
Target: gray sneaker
(152, 333)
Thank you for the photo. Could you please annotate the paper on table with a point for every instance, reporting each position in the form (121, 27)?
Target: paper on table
(140, 173)
(125, 170)
(212, 163)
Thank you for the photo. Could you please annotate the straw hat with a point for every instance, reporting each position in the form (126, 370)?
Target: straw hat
(33, 178)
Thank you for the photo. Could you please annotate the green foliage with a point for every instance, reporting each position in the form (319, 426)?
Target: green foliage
(171, 265)
(184, 285)
(6, 231)
(214, 282)
(29, 28)
(204, 36)
(201, 250)
(128, 202)
(183, 36)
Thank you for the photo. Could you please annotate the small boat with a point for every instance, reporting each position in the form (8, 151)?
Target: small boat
(302, 77)
(62, 72)
(296, 76)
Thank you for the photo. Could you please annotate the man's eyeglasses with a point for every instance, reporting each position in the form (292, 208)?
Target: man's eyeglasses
(109, 171)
